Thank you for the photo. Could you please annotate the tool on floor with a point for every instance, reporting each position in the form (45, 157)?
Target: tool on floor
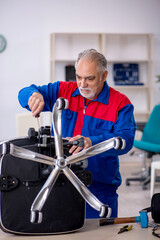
(143, 219)
(125, 228)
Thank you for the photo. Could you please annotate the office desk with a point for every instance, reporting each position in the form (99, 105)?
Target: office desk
(92, 231)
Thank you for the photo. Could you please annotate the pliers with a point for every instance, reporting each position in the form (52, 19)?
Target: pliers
(125, 228)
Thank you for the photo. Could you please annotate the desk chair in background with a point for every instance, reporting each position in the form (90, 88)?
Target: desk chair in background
(149, 144)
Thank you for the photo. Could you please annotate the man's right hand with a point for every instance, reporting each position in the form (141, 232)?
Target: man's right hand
(36, 103)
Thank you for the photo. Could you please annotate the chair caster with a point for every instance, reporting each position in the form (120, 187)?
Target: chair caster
(127, 183)
(105, 211)
(144, 187)
(36, 217)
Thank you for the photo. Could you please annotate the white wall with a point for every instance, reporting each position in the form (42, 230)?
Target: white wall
(27, 24)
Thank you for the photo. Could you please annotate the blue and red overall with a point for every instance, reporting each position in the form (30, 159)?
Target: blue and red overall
(110, 115)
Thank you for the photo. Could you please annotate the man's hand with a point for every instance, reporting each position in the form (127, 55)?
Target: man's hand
(36, 103)
(87, 143)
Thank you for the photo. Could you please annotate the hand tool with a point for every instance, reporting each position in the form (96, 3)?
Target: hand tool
(125, 228)
(37, 117)
(143, 219)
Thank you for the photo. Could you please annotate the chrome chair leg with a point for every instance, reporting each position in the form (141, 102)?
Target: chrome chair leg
(37, 205)
(104, 210)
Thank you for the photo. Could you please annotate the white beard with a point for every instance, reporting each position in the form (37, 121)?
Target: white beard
(89, 95)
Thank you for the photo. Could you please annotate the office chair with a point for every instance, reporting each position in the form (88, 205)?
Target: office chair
(149, 144)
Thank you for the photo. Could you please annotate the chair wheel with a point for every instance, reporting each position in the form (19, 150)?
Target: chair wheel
(36, 217)
(144, 187)
(105, 211)
(127, 183)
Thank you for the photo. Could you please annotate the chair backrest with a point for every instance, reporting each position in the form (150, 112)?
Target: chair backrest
(151, 132)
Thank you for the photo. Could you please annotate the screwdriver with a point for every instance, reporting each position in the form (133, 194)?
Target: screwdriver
(37, 117)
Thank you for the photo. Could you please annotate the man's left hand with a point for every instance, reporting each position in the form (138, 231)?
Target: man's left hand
(87, 143)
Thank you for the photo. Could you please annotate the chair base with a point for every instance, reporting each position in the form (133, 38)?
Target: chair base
(140, 179)
(145, 181)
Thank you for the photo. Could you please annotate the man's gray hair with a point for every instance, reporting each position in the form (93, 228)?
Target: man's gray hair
(93, 55)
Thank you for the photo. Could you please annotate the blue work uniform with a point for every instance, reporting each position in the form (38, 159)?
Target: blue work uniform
(109, 115)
